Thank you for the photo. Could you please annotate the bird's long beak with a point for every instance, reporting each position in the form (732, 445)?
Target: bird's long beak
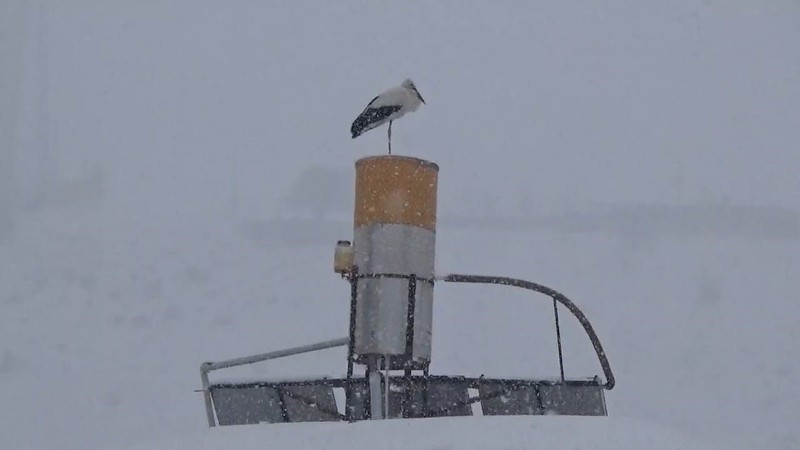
(420, 97)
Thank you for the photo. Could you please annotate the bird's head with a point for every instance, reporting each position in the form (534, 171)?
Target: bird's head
(408, 84)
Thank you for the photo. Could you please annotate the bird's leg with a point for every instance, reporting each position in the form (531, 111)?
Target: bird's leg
(390, 137)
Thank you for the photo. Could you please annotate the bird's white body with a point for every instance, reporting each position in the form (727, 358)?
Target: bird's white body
(390, 105)
(398, 95)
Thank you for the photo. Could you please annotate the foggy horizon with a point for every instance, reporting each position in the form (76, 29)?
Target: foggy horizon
(173, 177)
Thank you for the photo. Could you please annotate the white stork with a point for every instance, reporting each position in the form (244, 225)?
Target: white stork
(390, 105)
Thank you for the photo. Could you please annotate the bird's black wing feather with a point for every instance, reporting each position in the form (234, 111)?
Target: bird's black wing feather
(371, 102)
(371, 116)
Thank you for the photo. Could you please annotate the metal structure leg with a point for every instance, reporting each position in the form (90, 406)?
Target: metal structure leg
(386, 383)
(375, 397)
(207, 394)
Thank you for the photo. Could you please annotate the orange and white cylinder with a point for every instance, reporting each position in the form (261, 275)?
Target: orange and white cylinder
(394, 233)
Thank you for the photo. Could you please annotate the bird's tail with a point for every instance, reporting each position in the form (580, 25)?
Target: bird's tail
(358, 128)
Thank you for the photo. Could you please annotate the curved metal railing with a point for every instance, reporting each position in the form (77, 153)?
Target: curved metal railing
(555, 295)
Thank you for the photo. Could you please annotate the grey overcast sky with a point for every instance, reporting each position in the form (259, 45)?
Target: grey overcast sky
(592, 102)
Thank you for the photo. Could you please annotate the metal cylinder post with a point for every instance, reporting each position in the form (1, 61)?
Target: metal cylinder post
(394, 234)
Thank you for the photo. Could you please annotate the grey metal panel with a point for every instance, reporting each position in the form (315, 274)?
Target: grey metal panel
(382, 304)
(360, 395)
(442, 396)
(323, 407)
(573, 400)
(515, 400)
(239, 406)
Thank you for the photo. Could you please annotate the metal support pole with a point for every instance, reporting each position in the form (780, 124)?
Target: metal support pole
(425, 377)
(207, 394)
(558, 338)
(282, 402)
(375, 397)
(407, 399)
(348, 390)
(386, 364)
(412, 307)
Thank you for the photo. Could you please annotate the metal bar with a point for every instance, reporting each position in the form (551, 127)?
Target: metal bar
(376, 409)
(207, 394)
(407, 395)
(558, 339)
(366, 412)
(412, 305)
(396, 275)
(560, 298)
(282, 404)
(426, 375)
(473, 382)
(538, 391)
(332, 382)
(276, 354)
(386, 366)
(348, 390)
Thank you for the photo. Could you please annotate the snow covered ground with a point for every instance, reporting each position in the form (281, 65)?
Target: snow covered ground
(200, 116)
(574, 433)
(106, 318)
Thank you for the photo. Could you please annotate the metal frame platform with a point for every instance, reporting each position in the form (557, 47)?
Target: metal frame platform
(407, 395)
